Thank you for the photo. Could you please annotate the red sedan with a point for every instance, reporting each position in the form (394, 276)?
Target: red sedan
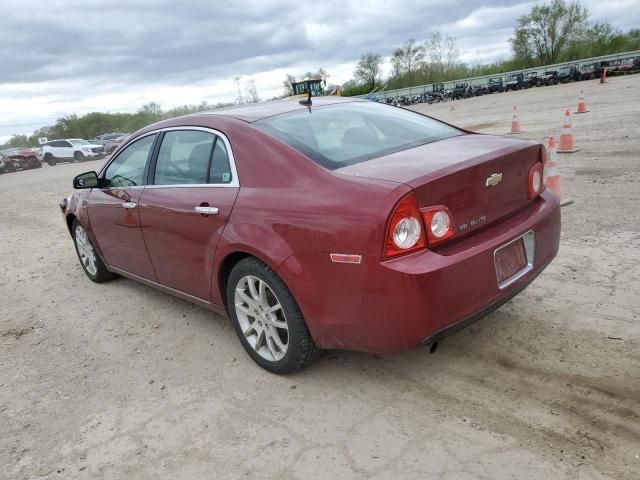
(341, 225)
(16, 159)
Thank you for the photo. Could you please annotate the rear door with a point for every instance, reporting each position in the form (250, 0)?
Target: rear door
(114, 210)
(193, 185)
(65, 150)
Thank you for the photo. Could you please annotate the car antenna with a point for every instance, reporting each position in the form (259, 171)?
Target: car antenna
(307, 102)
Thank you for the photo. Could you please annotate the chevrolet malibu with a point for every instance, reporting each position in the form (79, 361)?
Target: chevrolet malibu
(338, 225)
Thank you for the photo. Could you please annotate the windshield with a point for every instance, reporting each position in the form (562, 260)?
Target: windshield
(512, 77)
(344, 134)
(564, 69)
(77, 141)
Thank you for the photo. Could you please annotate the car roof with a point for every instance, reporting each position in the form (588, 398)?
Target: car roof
(258, 111)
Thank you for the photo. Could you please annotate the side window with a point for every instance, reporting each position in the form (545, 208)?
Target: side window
(64, 143)
(220, 171)
(191, 157)
(127, 170)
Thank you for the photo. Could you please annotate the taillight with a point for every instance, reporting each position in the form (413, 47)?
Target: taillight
(543, 157)
(536, 180)
(439, 224)
(404, 231)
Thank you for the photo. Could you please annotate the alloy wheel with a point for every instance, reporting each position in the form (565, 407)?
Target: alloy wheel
(261, 318)
(85, 251)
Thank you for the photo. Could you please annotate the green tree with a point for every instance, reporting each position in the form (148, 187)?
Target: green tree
(369, 69)
(550, 29)
(408, 59)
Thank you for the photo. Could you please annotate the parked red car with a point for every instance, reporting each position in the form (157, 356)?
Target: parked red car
(342, 225)
(15, 159)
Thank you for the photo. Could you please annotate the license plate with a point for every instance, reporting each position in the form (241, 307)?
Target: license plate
(510, 260)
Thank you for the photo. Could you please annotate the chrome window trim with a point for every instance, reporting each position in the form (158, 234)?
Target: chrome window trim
(235, 181)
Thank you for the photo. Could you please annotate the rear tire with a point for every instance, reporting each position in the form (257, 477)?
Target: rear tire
(267, 318)
(91, 262)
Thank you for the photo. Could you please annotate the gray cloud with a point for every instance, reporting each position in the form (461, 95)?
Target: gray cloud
(75, 49)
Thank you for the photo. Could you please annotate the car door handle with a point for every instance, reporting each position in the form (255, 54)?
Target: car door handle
(206, 210)
(129, 205)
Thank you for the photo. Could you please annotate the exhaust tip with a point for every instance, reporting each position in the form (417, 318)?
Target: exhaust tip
(433, 348)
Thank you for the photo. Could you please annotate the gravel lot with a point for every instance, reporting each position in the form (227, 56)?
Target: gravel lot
(121, 381)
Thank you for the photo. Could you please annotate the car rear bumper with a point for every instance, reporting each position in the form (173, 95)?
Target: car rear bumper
(394, 305)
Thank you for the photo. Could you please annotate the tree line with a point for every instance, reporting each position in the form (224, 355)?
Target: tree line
(550, 33)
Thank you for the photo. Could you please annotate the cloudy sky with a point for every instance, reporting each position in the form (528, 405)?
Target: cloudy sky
(65, 56)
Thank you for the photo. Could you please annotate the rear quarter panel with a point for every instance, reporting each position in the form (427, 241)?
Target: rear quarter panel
(289, 205)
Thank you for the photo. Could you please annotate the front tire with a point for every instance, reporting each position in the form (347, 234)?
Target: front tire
(89, 259)
(267, 318)
(48, 158)
(79, 157)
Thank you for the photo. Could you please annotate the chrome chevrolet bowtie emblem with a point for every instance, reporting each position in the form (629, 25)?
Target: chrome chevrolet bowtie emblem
(493, 180)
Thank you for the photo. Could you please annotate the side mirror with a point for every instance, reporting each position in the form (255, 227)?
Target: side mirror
(86, 180)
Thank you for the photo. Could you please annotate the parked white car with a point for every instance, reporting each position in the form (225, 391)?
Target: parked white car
(70, 150)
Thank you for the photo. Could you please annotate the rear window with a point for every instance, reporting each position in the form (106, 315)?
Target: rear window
(344, 134)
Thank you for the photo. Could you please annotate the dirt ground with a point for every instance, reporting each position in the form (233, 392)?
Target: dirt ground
(120, 381)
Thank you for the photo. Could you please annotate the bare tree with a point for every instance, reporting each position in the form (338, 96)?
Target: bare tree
(368, 69)
(320, 74)
(548, 30)
(286, 84)
(239, 97)
(442, 51)
(408, 59)
(251, 91)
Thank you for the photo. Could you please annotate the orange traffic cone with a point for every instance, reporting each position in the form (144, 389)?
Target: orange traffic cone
(582, 104)
(515, 123)
(603, 78)
(552, 169)
(566, 137)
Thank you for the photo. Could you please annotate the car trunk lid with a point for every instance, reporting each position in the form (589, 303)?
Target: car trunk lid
(480, 178)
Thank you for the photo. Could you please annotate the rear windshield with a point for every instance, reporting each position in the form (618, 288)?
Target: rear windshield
(348, 133)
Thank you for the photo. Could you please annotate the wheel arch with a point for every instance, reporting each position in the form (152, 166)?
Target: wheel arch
(224, 270)
(69, 220)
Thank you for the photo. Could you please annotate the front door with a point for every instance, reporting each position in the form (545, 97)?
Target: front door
(114, 212)
(66, 151)
(186, 206)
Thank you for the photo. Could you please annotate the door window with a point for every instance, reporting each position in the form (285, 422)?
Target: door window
(192, 157)
(127, 170)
